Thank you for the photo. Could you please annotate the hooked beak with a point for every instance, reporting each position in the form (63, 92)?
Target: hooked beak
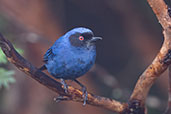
(94, 39)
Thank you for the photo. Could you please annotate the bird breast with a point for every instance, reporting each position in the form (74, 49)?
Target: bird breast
(71, 63)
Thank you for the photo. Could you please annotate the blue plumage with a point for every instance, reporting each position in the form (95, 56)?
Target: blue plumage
(72, 55)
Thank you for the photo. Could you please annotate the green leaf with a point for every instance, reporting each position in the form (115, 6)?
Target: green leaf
(2, 57)
(19, 50)
(6, 77)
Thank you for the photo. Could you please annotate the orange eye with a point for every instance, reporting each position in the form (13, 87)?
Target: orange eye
(81, 38)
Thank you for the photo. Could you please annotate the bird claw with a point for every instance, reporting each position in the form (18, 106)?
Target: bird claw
(84, 92)
(84, 95)
(60, 98)
(65, 85)
(66, 88)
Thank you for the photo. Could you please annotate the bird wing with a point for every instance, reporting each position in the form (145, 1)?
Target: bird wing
(48, 54)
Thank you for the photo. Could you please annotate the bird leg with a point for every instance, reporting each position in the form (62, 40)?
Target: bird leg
(62, 80)
(63, 98)
(84, 90)
(65, 85)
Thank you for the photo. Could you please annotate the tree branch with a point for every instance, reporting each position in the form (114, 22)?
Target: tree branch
(161, 61)
(73, 94)
(158, 66)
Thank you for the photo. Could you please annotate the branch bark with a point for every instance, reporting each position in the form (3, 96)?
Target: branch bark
(48, 81)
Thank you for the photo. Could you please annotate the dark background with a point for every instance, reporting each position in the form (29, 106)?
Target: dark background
(132, 36)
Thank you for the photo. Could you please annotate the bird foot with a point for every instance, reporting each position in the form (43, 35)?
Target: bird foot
(61, 98)
(84, 95)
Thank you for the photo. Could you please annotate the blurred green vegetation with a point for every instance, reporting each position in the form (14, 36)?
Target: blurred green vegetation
(6, 76)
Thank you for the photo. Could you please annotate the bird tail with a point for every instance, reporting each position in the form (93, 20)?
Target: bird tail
(43, 68)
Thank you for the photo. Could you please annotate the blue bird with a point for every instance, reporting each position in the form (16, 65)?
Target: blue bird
(71, 56)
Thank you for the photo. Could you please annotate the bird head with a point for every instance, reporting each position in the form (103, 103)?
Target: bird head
(82, 37)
